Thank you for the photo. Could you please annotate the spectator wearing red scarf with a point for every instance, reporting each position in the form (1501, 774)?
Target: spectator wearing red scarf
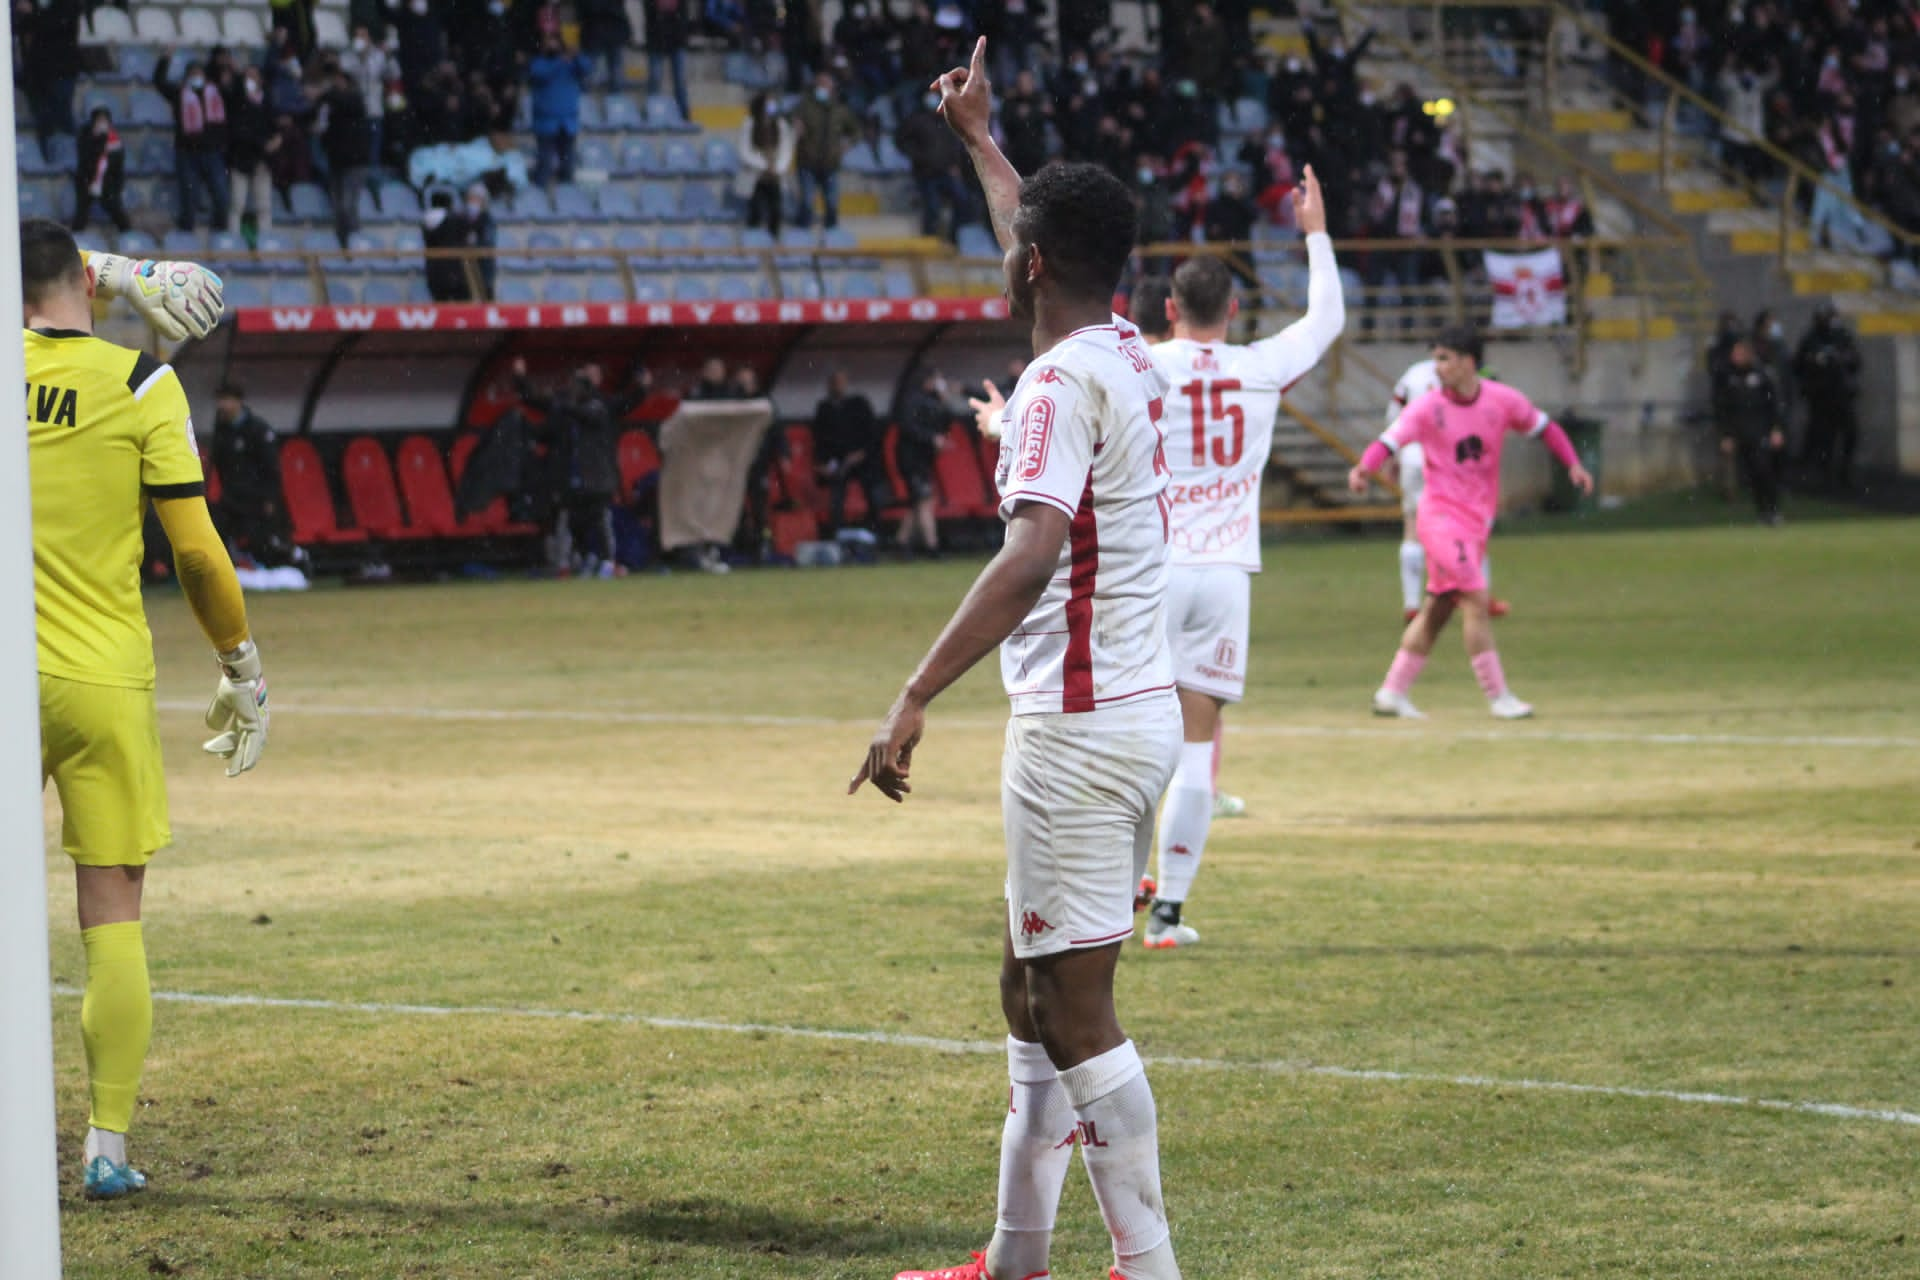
(199, 139)
(102, 173)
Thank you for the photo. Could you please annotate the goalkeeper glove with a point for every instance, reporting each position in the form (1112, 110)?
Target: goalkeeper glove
(178, 300)
(238, 714)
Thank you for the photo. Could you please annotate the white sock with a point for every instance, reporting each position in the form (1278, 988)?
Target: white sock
(1036, 1146)
(105, 1142)
(1413, 574)
(1185, 818)
(1486, 571)
(1120, 1142)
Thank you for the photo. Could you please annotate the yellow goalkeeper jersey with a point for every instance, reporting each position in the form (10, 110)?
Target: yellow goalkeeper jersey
(107, 429)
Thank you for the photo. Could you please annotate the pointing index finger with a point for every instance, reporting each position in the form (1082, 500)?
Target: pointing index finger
(977, 69)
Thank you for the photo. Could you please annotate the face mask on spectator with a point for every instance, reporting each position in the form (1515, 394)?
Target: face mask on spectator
(419, 8)
(1145, 175)
(360, 44)
(475, 208)
(820, 95)
(196, 81)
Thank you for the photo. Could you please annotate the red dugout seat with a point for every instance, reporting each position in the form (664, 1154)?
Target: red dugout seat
(958, 480)
(371, 492)
(303, 482)
(423, 483)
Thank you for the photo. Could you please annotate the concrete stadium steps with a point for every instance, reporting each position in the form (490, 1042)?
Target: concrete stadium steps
(1754, 232)
(1823, 274)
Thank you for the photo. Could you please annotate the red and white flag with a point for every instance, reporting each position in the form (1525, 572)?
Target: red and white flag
(1529, 289)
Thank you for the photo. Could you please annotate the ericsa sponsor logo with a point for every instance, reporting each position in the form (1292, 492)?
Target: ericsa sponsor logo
(1036, 436)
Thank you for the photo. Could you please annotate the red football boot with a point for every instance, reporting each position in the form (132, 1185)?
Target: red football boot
(974, 1270)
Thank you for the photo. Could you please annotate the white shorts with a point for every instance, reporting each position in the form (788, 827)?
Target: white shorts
(1207, 608)
(1077, 794)
(1412, 459)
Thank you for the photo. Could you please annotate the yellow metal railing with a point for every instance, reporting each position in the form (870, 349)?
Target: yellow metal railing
(1798, 174)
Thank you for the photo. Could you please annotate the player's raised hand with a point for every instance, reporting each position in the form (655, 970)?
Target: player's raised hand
(966, 99)
(890, 755)
(1358, 481)
(986, 412)
(1582, 479)
(1309, 210)
(178, 300)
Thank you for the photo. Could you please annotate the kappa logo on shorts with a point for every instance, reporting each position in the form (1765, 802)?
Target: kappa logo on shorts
(1036, 436)
(1032, 926)
(1225, 652)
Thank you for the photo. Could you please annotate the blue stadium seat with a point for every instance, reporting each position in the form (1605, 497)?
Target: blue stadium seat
(135, 197)
(383, 293)
(649, 289)
(605, 288)
(274, 242)
(800, 284)
(591, 117)
(854, 284)
(659, 202)
(898, 284)
(975, 241)
(369, 209)
(572, 204)
(398, 200)
(719, 158)
(892, 159)
(678, 159)
(663, 116)
(756, 239)
(138, 244)
(593, 156)
(532, 202)
(796, 247)
(225, 244)
(721, 248)
(101, 95)
(409, 239)
(136, 62)
(36, 202)
(344, 290)
(152, 156)
(147, 109)
(517, 289)
(541, 242)
(583, 241)
(628, 239)
(636, 157)
(307, 202)
(290, 293)
(619, 113)
(702, 200)
(692, 289)
(618, 205)
(737, 288)
(245, 291)
(324, 242)
(564, 289)
(183, 244)
(671, 238)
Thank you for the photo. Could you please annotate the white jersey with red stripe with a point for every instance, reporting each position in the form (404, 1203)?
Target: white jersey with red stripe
(1220, 415)
(1082, 433)
(1421, 377)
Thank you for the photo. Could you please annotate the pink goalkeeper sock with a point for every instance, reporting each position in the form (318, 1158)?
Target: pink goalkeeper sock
(1486, 669)
(1404, 671)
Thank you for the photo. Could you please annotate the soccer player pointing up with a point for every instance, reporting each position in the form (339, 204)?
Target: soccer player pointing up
(1462, 426)
(1075, 603)
(108, 430)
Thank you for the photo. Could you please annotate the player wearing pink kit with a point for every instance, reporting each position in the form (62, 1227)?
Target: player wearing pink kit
(1075, 601)
(1462, 427)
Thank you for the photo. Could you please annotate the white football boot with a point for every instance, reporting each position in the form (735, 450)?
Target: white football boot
(1388, 703)
(1509, 707)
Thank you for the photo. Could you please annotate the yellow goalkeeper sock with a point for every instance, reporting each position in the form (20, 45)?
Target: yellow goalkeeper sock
(116, 1021)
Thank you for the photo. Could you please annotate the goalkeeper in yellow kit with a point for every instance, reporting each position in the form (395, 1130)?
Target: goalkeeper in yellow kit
(108, 429)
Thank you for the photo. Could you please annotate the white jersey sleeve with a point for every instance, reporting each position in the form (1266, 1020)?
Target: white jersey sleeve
(1052, 430)
(1290, 354)
(1420, 378)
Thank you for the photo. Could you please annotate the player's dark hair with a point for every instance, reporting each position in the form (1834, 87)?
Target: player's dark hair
(1080, 217)
(49, 259)
(1148, 308)
(1203, 287)
(1465, 339)
(230, 390)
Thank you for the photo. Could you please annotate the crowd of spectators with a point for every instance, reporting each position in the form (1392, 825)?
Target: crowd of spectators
(1833, 83)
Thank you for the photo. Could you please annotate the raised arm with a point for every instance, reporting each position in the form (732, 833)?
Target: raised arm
(966, 100)
(1299, 346)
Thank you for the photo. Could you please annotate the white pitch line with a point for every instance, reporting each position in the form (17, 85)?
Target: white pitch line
(988, 1048)
(558, 715)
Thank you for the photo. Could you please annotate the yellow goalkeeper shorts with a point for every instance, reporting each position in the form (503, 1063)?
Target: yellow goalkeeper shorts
(101, 746)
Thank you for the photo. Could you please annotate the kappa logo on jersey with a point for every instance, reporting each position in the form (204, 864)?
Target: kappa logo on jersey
(1046, 375)
(1036, 436)
(1206, 362)
(1225, 652)
(1032, 926)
